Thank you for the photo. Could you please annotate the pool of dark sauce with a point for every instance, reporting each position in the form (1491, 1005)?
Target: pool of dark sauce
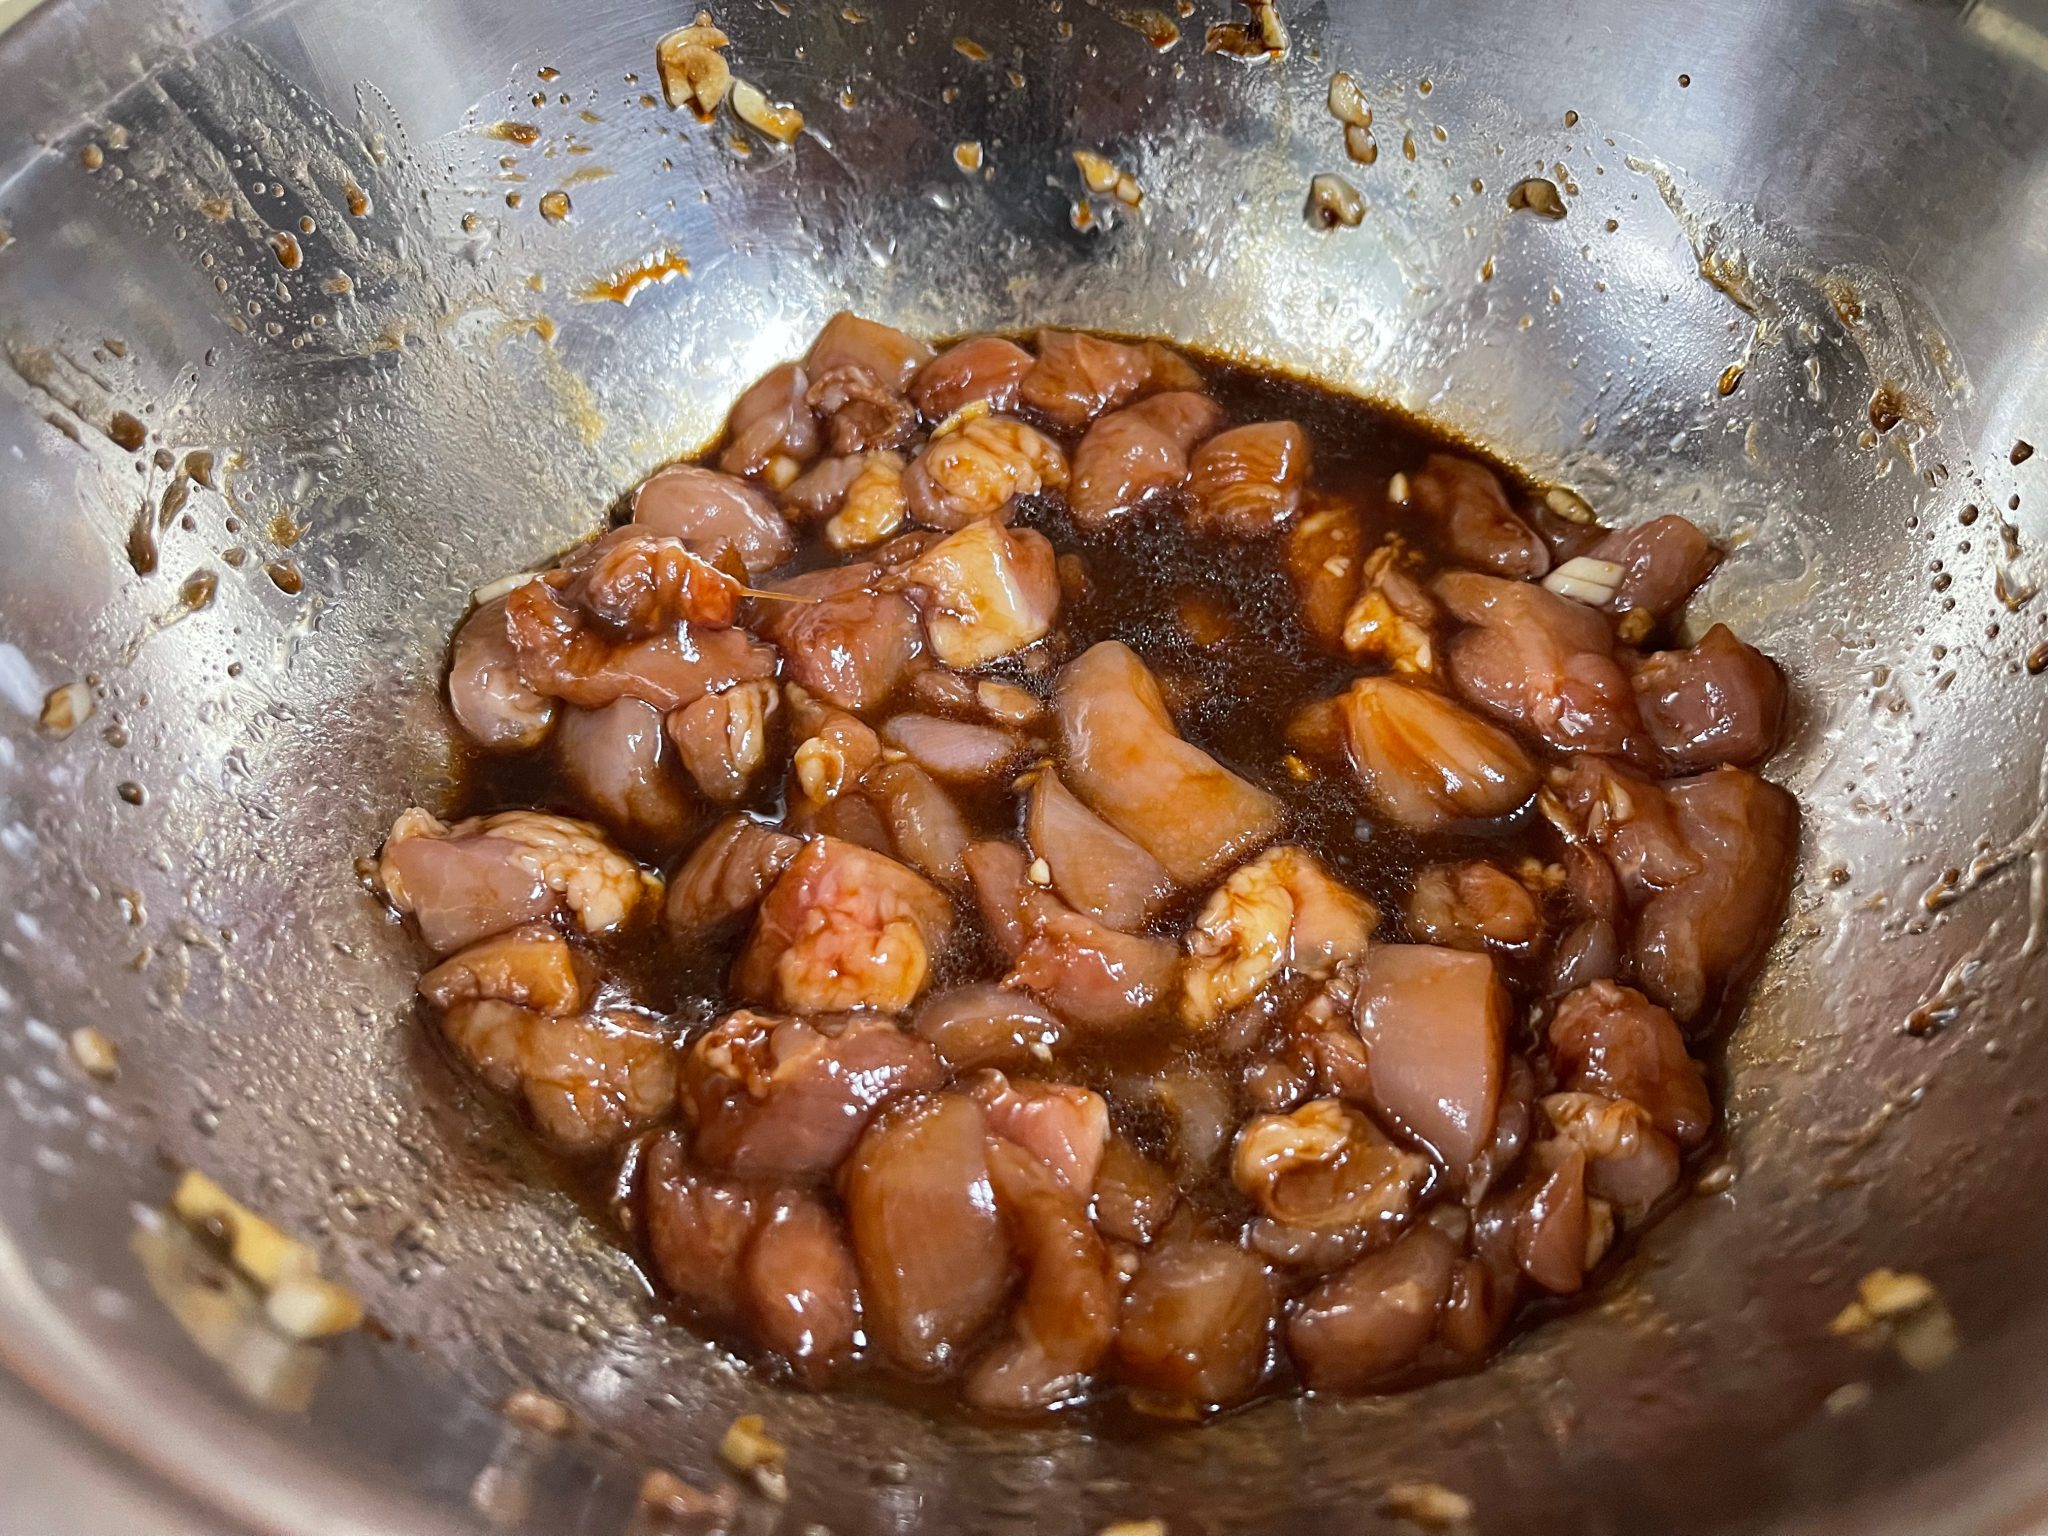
(1219, 624)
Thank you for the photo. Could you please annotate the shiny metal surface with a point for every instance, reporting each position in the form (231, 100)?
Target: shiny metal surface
(1866, 184)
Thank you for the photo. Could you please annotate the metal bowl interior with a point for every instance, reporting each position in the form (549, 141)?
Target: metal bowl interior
(292, 235)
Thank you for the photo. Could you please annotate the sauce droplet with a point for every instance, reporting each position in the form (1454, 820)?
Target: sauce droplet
(286, 248)
(554, 206)
(513, 133)
(621, 286)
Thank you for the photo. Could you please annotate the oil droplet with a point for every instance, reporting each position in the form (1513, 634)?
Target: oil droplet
(513, 199)
(621, 286)
(92, 157)
(513, 133)
(286, 249)
(1486, 270)
(967, 155)
(127, 431)
(132, 792)
(2022, 451)
(1684, 81)
(1731, 376)
(1408, 145)
(2037, 659)
(554, 206)
(471, 223)
(548, 72)
(358, 199)
(968, 48)
(285, 576)
(1537, 195)
(1571, 119)
(341, 282)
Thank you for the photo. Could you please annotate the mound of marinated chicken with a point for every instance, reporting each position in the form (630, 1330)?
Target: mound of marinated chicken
(1069, 874)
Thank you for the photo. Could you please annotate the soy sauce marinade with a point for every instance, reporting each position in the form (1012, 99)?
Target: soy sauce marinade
(1287, 1251)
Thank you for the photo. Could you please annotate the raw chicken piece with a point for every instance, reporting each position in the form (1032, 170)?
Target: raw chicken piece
(588, 1079)
(983, 368)
(1279, 915)
(1094, 867)
(884, 353)
(530, 967)
(1122, 755)
(1324, 556)
(802, 1294)
(1434, 1023)
(836, 750)
(1133, 455)
(1196, 1325)
(1709, 859)
(1134, 1196)
(1634, 822)
(1327, 1168)
(984, 1025)
(624, 768)
(726, 876)
(725, 738)
(1066, 1314)
(872, 506)
(1539, 661)
(989, 591)
(862, 414)
(819, 491)
(1077, 377)
(698, 1228)
(1425, 761)
(1372, 1319)
(1066, 1128)
(1247, 482)
(1612, 1041)
(771, 431)
(780, 1096)
(642, 583)
(1661, 562)
(709, 511)
(854, 644)
(478, 877)
(979, 470)
(1560, 1231)
(1466, 502)
(491, 701)
(1394, 618)
(1473, 905)
(957, 751)
(926, 829)
(1720, 702)
(563, 653)
(844, 928)
(1088, 972)
(934, 1262)
(1629, 1162)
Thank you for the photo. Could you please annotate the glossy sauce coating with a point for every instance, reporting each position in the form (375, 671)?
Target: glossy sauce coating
(1253, 927)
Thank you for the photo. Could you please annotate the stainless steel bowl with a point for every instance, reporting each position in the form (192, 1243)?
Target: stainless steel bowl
(407, 396)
